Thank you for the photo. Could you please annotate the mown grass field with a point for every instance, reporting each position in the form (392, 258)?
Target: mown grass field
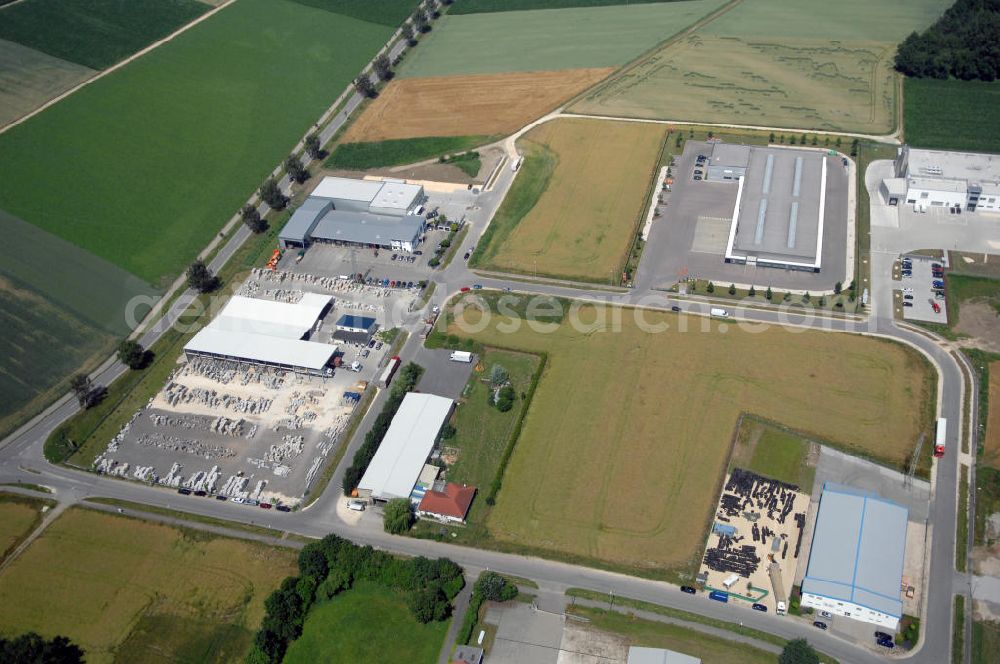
(970, 106)
(95, 33)
(582, 224)
(368, 623)
(490, 103)
(19, 515)
(985, 640)
(772, 452)
(809, 64)
(652, 634)
(362, 156)
(145, 180)
(133, 591)
(548, 40)
(623, 416)
(991, 447)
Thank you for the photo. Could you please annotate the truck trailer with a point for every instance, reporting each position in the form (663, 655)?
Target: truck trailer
(389, 372)
(461, 356)
(939, 437)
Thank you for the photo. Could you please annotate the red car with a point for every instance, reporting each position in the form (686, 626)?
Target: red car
(465, 289)
(937, 307)
(265, 506)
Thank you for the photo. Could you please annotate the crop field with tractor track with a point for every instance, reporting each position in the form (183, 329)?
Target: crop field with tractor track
(629, 432)
(810, 64)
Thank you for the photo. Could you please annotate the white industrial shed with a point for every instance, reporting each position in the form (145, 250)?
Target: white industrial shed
(267, 333)
(637, 655)
(856, 559)
(389, 197)
(968, 181)
(394, 470)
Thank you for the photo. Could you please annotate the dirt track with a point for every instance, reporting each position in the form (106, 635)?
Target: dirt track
(467, 105)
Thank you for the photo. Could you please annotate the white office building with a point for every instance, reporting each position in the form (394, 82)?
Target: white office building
(963, 181)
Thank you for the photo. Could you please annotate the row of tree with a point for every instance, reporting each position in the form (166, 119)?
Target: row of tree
(405, 382)
(964, 43)
(419, 23)
(489, 587)
(333, 565)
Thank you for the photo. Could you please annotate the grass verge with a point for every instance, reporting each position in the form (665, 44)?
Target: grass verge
(987, 501)
(396, 152)
(958, 631)
(196, 518)
(29, 486)
(962, 527)
(985, 641)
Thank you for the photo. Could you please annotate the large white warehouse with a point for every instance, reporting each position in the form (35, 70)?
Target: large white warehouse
(395, 469)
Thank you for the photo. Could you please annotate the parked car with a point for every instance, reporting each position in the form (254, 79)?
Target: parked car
(675, 308)
(418, 252)
(283, 508)
(237, 500)
(881, 636)
(266, 506)
(825, 614)
(365, 353)
(936, 307)
(887, 643)
(184, 492)
(697, 177)
(936, 265)
(251, 502)
(464, 289)
(908, 296)
(759, 607)
(938, 295)
(221, 497)
(688, 589)
(477, 287)
(467, 254)
(821, 625)
(937, 283)
(201, 494)
(356, 505)
(907, 304)
(698, 172)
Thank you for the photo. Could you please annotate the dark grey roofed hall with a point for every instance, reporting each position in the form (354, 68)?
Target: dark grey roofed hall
(858, 550)
(366, 228)
(300, 226)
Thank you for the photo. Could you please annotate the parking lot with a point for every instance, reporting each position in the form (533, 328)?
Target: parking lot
(922, 287)
(688, 237)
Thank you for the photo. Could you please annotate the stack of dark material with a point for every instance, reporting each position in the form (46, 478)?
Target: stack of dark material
(726, 556)
(746, 490)
(800, 521)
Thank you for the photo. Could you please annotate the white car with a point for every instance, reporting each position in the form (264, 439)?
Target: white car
(238, 500)
(356, 505)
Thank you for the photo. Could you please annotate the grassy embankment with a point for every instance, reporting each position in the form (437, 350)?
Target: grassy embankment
(396, 152)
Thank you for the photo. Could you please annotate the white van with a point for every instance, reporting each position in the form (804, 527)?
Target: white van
(356, 505)
(719, 313)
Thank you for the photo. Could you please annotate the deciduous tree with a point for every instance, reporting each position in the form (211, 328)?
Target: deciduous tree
(271, 194)
(252, 219)
(397, 517)
(132, 354)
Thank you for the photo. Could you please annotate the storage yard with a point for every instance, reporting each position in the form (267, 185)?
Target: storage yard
(250, 432)
(671, 438)
(755, 542)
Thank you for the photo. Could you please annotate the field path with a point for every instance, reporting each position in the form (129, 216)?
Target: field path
(47, 520)
(134, 56)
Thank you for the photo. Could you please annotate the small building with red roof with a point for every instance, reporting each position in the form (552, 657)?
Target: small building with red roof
(447, 503)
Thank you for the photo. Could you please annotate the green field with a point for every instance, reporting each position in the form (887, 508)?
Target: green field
(653, 634)
(645, 414)
(368, 623)
(383, 12)
(969, 106)
(547, 40)
(985, 640)
(95, 33)
(810, 64)
(29, 78)
(362, 156)
(146, 180)
(132, 591)
(773, 452)
(582, 223)
(485, 6)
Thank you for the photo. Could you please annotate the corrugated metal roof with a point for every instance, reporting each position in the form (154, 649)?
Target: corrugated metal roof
(281, 319)
(367, 228)
(362, 322)
(304, 219)
(261, 348)
(858, 549)
(347, 189)
(407, 444)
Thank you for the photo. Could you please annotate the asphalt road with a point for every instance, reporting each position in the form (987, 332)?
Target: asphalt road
(21, 459)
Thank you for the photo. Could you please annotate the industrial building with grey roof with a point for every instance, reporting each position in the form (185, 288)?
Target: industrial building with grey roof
(358, 212)
(780, 205)
(857, 555)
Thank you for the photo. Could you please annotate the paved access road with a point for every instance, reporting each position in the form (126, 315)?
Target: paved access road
(23, 450)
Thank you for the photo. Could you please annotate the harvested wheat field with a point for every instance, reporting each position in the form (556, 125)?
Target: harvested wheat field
(462, 105)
